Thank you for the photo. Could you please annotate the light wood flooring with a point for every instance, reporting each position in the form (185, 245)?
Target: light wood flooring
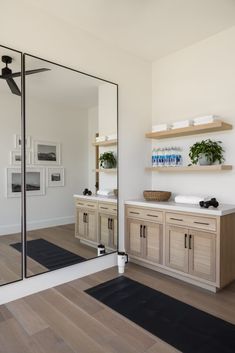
(10, 258)
(62, 236)
(67, 320)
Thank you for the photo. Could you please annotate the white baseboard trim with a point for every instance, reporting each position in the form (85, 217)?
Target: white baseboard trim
(32, 225)
(48, 280)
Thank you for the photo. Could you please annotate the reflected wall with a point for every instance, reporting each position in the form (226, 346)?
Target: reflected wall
(69, 116)
(10, 166)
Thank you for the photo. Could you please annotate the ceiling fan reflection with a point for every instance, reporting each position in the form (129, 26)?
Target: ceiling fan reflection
(9, 76)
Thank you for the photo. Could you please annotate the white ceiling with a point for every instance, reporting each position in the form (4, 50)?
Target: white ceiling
(58, 86)
(149, 29)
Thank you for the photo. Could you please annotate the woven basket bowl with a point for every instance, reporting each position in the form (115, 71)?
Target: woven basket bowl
(154, 195)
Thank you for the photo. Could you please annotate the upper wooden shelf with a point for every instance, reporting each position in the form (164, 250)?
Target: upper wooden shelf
(106, 143)
(218, 125)
(192, 168)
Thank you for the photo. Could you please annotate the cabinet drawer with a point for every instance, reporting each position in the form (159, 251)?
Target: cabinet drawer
(199, 222)
(145, 213)
(108, 207)
(86, 204)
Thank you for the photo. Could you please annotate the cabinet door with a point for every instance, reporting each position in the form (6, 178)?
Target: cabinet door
(202, 254)
(91, 226)
(81, 225)
(134, 242)
(104, 229)
(152, 234)
(177, 248)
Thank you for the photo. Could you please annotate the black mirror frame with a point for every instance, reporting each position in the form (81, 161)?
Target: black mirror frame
(22, 169)
(24, 198)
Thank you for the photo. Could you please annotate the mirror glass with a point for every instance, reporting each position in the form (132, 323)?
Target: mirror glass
(10, 167)
(71, 142)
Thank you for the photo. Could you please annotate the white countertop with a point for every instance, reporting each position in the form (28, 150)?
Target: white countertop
(222, 210)
(111, 199)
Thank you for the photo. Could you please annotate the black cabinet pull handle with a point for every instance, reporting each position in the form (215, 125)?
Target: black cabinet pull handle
(144, 228)
(152, 215)
(104, 208)
(176, 219)
(185, 241)
(141, 227)
(111, 223)
(203, 223)
(190, 239)
(134, 212)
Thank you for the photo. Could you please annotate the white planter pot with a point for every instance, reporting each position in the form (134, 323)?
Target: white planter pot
(203, 160)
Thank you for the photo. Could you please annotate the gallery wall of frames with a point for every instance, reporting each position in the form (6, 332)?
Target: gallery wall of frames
(41, 173)
(56, 123)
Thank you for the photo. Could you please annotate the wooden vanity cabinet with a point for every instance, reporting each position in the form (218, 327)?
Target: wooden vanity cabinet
(134, 240)
(86, 220)
(96, 222)
(191, 251)
(195, 247)
(202, 254)
(108, 225)
(177, 248)
(144, 239)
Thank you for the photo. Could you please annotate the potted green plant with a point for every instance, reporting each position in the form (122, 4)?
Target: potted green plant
(206, 152)
(107, 160)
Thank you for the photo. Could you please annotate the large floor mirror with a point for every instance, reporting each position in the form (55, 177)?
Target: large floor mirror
(10, 166)
(71, 150)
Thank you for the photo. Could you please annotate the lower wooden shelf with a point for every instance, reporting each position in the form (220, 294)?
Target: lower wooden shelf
(193, 168)
(106, 170)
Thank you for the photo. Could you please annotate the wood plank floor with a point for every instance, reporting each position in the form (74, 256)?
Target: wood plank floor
(62, 236)
(10, 258)
(67, 320)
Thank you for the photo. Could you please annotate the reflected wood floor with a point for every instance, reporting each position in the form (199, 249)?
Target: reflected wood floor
(62, 236)
(10, 258)
(67, 320)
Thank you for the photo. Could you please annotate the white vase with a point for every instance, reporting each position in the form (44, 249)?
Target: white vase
(203, 159)
(107, 165)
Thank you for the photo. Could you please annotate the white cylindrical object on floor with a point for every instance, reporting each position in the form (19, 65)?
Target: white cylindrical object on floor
(122, 260)
(100, 250)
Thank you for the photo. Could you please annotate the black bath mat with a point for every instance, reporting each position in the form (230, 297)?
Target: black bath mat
(48, 254)
(186, 328)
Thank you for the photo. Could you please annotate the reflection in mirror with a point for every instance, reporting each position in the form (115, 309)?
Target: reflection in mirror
(71, 128)
(10, 166)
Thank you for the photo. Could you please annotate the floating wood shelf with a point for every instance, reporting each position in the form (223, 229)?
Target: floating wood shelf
(106, 170)
(190, 130)
(194, 168)
(106, 143)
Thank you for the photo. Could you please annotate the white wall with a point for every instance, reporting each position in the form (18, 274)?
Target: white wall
(36, 32)
(10, 122)
(108, 126)
(198, 80)
(44, 122)
(69, 127)
(92, 130)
